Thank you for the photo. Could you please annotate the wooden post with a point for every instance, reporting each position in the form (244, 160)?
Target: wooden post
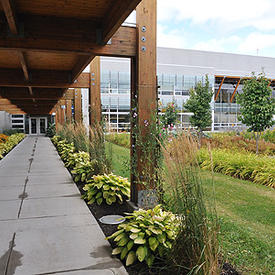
(68, 110)
(57, 116)
(95, 95)
(143, 104)
(77, 106)
(62, 111)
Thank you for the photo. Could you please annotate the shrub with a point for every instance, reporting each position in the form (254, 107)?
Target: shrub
(85, 170)
(109, 188)
(66, 150)
(243, 165)
(77, 158)
(10, 132)
(145, 235)
(51, 130)
(56, 139)
(3, 138)
(243, 142)
(11, 141)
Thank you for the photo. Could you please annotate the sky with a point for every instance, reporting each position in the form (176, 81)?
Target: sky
(234, 26)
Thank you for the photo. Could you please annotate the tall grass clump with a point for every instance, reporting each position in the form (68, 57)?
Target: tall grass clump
(90, 141)
(196, 248)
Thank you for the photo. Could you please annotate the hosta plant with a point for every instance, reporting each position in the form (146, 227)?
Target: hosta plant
(10, 142)
(66, 151)
(56, 139)
(77, 158)
(109, 188)
(85, 170)
(145, 235)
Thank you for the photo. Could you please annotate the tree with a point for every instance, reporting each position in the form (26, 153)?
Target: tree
(199, 105)
(257, 106)
(169, 115)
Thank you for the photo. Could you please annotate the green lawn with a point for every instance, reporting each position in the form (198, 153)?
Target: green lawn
(246, 212)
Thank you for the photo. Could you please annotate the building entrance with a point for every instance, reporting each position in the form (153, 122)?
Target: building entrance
(37, 125)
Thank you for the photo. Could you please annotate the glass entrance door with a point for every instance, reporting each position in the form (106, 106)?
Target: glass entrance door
(33, 126)
(38, 125)
(42, 125)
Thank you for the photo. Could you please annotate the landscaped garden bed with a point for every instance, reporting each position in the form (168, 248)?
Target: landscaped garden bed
(245, 211)
(88, 172)
(7, 143)
(232, 155)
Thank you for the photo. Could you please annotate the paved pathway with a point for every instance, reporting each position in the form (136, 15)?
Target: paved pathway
(45, 227)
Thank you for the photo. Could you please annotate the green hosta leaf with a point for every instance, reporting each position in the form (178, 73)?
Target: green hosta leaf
(130, 258)
(105, 195)
(135, 230)
(115, 234)
(162, 238)
(139, 240)
(86, 187)
(141, 253)
(120, 197)
(167, 244)
(91, 201)
(117, 250)
(153, 243)
(141, 234)
(170, 234)
(108, 201)
(123, 241)
(99, 201)
(130, 244)
(83, 177)
(150, 259)
(98, 195)
(133, 236)
(113, 199)
(156, 231)
(123, 253)
(119, 237)
(106, 187)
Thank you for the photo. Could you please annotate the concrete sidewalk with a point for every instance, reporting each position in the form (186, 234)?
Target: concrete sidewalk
(45, 227)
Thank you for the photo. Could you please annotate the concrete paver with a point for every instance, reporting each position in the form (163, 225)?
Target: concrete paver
(45, 227)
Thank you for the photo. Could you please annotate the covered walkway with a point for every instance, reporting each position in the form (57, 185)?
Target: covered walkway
(45, 227)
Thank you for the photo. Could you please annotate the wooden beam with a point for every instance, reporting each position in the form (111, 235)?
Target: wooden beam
(144, 97)
(117, 14)
(95, 95)
(232, 97)
(10, 16)
(123, 43)
(24, 65)
(42, 79)
(38, 93)
(77, 106)
(81, 64)
(216, 97)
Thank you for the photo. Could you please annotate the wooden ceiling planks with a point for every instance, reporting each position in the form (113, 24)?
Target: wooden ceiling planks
(48, 43)
(84, 9)
(9, 59)
(55, 61)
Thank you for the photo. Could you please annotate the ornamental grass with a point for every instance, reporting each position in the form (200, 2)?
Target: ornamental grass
(196, 248)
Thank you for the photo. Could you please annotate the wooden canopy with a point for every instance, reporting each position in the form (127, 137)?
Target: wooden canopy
(46, 44)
